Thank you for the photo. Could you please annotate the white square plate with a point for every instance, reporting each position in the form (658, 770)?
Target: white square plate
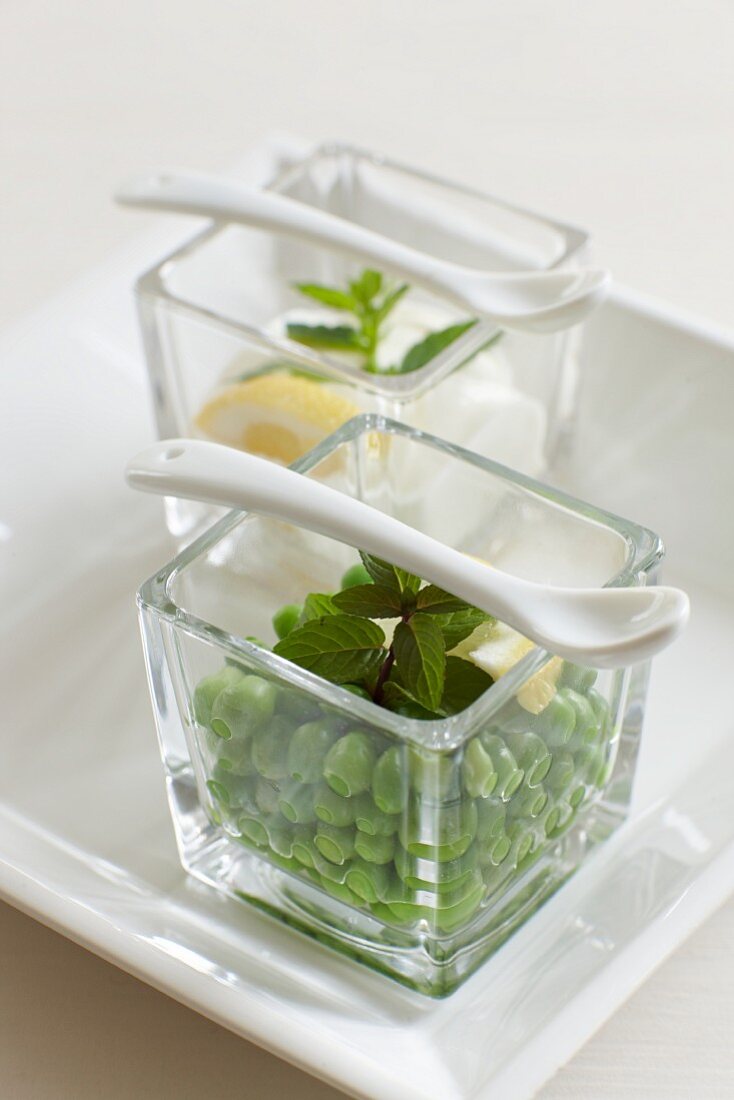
(86, 843)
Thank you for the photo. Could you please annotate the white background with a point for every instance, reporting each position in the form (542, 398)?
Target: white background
(617, 116)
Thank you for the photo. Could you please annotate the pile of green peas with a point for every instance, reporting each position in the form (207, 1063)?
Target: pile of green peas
(405, 834)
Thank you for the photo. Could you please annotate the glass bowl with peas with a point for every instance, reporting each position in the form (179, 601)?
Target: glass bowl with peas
(369, 759)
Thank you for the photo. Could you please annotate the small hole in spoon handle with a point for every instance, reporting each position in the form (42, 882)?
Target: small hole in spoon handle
(171, 453)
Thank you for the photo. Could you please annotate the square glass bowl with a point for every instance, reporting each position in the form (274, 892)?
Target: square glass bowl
(415, 846)
(214, 316)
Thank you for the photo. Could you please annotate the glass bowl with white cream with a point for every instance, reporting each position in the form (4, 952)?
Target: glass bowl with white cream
(269, 344)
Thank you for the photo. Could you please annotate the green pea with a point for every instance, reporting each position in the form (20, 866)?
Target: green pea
(334, 843)
(267, 794)
(577, 796)
(513, 719)
(341, 892)
(401, 903)
(586, 729)
(369, 819)
(240, 709)
(601, 710)
(335, 872)
(577, 677)
(521, 841)
(280, 838)
(498, 876)
(415, 872)
(235, 756)
(532, 756)
(434, 777)
(253, 830)
(561, 773)
(308, 748)
(349, 764)
(226, 722)
(556, 722)
(304, 849)
(509, 775)
(297, 706)
(439, 834)
(529, 802)
(374, 849)
(258, 696)
(356, 574)
(270, 749)
(288, 864)
(551, 818)
(591, 764)
(207, 690)
(296, 803)
(477, 770)
(369, 881)
(333, 808)
(442, 888)
(445, 913)
(231, 791)
(490, 820)
(214, 815)
(219, 792)
(357, 689)
(390, 782)
(286, 619)
(496, 850)
(605, 772)
(559, 819)
(450, 917)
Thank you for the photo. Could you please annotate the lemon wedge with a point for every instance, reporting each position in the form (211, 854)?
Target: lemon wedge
(278, 415)
(496, 648)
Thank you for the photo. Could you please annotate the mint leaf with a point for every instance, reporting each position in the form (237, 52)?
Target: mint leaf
(390, 576)
(418, 646)
(428, 348)
(341, 648)
(375, 601)
(463, 685)
(316, 606)
(366, 286)
(388, 303)
(397, 699)
(325, 336)
(435, 601)
(460, 624)
(328, 295)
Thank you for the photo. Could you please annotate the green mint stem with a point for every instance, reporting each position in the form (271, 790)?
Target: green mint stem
(384, 673)
(383, 676)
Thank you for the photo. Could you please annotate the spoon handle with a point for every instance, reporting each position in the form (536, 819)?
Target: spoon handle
(515, 300)
(210, 472)
(218, 197)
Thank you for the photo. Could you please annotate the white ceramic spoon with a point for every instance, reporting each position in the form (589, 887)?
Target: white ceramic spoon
(536, 301)
(603, 627)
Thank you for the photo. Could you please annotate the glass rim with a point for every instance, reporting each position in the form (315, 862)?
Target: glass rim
(152, 285)
(645, 550)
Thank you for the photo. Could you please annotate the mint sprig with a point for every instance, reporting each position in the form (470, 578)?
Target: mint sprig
(415, 675)
(370, 301)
